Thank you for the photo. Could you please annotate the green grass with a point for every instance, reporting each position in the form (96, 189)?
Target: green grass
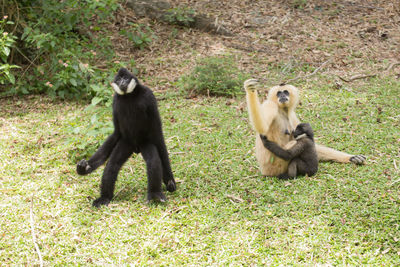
(224, 212)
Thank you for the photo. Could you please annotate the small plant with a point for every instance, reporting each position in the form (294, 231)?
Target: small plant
(7, 40)
(217, 76)
(141, 36)
(180, 16)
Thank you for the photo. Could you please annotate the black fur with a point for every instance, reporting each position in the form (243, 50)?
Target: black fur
(302, 156)
(137, 129)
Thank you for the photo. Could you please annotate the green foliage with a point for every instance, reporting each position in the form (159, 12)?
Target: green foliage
(7, 41)
(141, 35)
(63, 45)
(217, 76)
(180, 16)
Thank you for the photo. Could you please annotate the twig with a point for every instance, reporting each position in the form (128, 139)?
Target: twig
(395, 182)
(308, 75)
(34, 235)
(366, 7)
(392, 65)
(119, 192)
(22, 54)
(17, 20)
(29, 66)
(235, 198)
(169, 212)
(356, 77)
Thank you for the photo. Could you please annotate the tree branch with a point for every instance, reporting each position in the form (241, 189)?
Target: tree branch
(34, 235)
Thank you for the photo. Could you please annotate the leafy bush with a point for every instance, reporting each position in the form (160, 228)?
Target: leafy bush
(7, 40)
(58, 44)
(217, 76)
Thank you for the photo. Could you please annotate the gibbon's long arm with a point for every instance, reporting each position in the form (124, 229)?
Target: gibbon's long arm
(261, 116)
(327, 154)
(288, 154)
(293, 118)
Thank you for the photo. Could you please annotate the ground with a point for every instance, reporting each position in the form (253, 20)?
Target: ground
(356, 37)
(224, 212)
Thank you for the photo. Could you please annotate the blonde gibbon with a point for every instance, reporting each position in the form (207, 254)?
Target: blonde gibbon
(276, 119)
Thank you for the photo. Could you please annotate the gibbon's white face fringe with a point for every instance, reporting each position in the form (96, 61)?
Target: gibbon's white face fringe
(301, 136)
(131, 86)
(129, 89)
(117, 89)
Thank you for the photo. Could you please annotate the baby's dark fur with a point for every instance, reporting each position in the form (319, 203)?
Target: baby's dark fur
(302, 156)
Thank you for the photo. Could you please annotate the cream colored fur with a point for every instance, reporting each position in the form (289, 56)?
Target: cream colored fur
(272, 119)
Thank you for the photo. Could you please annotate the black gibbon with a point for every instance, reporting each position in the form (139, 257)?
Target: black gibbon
(302, 156)
(137, 129)
(276, 117)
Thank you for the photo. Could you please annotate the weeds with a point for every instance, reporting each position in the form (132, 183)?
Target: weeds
(215, 76)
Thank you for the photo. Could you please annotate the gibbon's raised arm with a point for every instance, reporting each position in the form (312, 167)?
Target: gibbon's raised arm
(286, 154)
(259, 119)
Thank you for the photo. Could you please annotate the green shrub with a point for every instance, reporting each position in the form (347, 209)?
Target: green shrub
(60, 43)
(7, 41)
(216, 76)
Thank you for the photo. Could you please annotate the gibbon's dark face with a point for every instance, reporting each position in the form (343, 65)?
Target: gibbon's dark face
(283, 96)
(124, 82)
(303, 130)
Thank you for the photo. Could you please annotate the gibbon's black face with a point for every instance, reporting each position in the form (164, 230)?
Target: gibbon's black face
(124, 82)
(303, 130)
(283, 96)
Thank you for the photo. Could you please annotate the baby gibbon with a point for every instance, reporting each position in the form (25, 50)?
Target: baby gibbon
(276, 118)
(302, 156)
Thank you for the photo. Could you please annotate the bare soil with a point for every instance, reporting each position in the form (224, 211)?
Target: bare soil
(292, 37)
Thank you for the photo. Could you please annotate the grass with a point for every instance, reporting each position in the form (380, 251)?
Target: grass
(224, 212)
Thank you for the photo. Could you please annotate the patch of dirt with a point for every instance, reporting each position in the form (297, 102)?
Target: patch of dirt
(355, 37)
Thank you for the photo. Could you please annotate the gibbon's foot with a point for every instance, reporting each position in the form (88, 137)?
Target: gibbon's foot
(358, 159)
(83, 167)
(263, 137)
(250, 85)
(284, 176)
(101, 201)
(156, 196)
(171, 186)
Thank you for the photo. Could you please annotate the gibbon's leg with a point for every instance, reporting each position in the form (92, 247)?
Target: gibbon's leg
(284, 176)
(154, 172)
(168, 177)
(330, 154)
(118, 157)
(293, 170)
(84, 167)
